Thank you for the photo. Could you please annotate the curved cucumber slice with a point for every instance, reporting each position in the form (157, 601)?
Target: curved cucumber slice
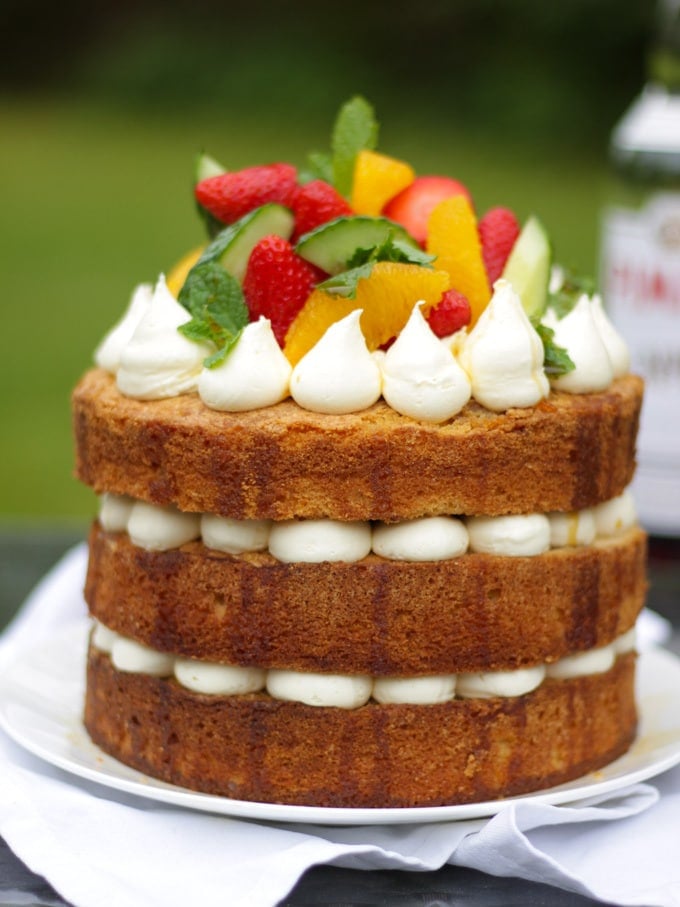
(206, 167)
(528, 267)
(233, 245)
(333, 244)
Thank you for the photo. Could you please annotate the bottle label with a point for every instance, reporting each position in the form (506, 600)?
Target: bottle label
(641, 290)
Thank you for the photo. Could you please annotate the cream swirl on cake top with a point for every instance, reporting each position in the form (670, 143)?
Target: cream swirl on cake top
(499, 362)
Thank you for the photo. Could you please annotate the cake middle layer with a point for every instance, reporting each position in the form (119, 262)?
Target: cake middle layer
(478, 612)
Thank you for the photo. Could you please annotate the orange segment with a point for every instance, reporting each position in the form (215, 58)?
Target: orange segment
(377, 179)
(453, 237)
(178, 273)
(387, 297)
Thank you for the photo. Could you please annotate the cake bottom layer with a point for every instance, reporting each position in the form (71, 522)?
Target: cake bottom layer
(252, 747)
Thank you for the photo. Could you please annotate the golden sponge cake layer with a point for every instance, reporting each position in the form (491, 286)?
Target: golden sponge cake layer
(567, 453)
(477, 612)
(252, 747)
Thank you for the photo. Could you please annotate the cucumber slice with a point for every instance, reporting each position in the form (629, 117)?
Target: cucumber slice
(206, 167)
(528, 267)
(332, 245)
(233, 245)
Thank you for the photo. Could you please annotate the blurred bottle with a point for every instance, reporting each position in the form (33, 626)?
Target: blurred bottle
(641, 268)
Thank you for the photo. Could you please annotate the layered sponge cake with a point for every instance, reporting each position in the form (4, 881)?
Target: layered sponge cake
(364, 535)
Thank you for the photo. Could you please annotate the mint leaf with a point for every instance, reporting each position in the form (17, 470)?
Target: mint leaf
(361, 264)
(345, 283)
(556, 360)
(392, 249)
(355, 129)
(573, 287)
(219, 312)
(319, 167)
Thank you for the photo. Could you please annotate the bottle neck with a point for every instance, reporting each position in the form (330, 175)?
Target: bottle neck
(663, 64)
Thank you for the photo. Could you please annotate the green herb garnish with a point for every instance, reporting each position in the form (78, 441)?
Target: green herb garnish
(217, 306)
(355, 129)
(573, 287)
(556, 360)
(361, 264)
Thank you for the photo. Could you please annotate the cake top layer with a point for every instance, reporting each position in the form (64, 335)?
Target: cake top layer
(355, 279)
(281, 462)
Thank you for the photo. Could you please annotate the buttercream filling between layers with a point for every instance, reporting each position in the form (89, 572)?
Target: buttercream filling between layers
(345, 690)
(162, 528)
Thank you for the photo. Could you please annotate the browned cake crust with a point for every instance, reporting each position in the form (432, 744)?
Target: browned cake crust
(477, 612)
(569, 452)
(255, 748)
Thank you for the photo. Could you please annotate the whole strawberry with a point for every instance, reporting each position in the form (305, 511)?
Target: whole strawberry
(498, 230)
(451, 313)
(228, 196)
(413, 205)
(316, 203)
(277, 283)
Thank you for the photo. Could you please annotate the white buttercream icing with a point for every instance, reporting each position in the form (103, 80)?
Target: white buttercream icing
(158, 361)
(218, 679)
(499, 683)
(337, 690)
(521, 535)
(571, 529)
(593, 661)
(616, 515)
(627, 642)
(135, 658)
(426, 539)
(254, 374)
(157, 528)
(616, 346)
(114, 511)
(577, 332)
(103, 638)
(234, 536)
(503, 354)
(421, 377)
(415, 690)
(339, 374)
(107, 354)
(350, 691)
(314, 541)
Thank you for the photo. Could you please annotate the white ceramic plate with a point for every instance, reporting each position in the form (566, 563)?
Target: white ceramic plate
(41, 699)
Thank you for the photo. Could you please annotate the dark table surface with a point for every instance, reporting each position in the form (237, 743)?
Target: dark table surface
(27, 553)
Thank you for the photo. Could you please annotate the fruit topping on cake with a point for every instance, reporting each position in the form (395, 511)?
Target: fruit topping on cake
(298, 249)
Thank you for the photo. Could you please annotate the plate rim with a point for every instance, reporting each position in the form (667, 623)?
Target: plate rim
(135, 783)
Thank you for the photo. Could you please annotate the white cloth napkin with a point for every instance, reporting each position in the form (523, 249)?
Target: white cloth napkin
(100, 847)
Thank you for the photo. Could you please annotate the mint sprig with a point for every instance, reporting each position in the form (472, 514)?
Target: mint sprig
(361, 264)
(217, 306)
(573, 287)
(319, 166)
(556, 360)
(355, 130)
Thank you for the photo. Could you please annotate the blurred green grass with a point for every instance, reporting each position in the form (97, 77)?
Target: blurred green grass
(94, 202)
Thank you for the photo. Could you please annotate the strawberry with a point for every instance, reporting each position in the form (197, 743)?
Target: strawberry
(412, 206)
(314, 204)
(277, 283)
(498, 230)
(228, 196)
(451, 313)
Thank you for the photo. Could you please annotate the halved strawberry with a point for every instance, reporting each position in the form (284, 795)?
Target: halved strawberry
(316, 203)
(228, 196)
(498, 230)
(450, 314)
(412, 206)
(277, 283)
